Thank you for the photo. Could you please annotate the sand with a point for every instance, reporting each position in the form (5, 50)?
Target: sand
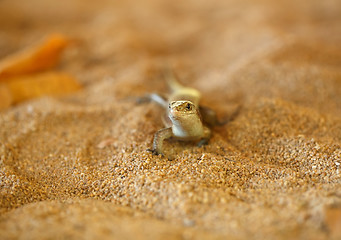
(77, 167)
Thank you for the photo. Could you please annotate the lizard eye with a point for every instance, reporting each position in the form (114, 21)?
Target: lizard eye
(188, 106)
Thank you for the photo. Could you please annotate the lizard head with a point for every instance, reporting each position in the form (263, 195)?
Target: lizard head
(186, 120)
(181, 109)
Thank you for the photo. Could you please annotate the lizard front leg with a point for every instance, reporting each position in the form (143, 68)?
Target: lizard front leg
(159, 137)
(206, 137)
(210, 118)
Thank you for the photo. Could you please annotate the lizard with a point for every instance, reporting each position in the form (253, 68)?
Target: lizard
(184, 118)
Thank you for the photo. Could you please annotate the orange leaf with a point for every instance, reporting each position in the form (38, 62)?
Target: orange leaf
(5, 96)
(34, 59)
(41, 84)
(333, 221)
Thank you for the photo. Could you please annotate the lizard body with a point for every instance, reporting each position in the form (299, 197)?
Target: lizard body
(184, 119)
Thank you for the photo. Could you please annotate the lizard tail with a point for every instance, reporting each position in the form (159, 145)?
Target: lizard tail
(172, 80)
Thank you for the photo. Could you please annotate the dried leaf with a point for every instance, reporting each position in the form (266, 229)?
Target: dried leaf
(5, 97)
(333, 221)
(34, 59)
(40, 84)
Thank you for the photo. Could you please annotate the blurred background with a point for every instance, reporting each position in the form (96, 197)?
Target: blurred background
(220, 40)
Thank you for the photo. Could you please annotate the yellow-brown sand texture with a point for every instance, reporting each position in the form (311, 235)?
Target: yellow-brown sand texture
(77, 167)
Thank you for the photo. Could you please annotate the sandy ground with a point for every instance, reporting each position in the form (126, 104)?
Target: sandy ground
(77, 166)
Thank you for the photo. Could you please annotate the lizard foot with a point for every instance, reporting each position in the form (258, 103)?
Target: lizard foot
(154, 152)
(202, 142)
(141, 100)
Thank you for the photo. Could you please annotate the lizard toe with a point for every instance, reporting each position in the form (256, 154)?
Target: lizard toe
(154, 152)
(202, 142)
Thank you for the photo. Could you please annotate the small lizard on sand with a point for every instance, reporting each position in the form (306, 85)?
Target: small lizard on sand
(184, 119)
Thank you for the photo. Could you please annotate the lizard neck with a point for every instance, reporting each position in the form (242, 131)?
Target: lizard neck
(189, 127)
